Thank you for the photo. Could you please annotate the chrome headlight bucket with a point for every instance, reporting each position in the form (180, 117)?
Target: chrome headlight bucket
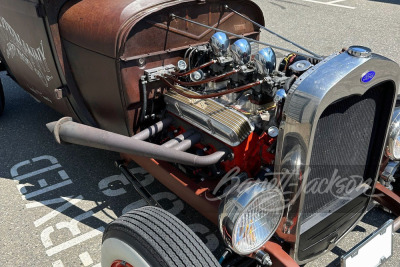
(241, 51)
(265, 61)
(250, 215)
(219, 44)
(393, 140)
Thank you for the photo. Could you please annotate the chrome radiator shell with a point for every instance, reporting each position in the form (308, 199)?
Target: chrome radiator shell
(223, 123)
(335, 78)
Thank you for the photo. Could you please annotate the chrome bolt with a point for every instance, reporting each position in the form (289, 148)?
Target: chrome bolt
(141, 62)
(263, 258)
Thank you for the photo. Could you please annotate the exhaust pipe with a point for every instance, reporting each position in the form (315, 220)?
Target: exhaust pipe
(188, 142)
(152, 130)
(178, 139)
(65, 130)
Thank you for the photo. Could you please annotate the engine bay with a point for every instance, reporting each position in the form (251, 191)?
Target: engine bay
(226, 95)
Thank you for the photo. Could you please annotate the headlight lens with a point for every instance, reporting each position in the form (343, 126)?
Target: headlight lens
(393, 142)
(249, 216)
(396, 147)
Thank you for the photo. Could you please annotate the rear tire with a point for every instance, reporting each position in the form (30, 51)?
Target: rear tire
(150, 236)
(2, 99)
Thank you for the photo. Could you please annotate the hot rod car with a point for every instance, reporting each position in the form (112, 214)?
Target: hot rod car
(285, 156)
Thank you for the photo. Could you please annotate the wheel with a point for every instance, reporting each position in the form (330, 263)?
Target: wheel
(2, 99)
(151, 236)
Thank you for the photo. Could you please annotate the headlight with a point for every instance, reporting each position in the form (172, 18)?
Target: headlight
(393, 142)
(219, 43)
(250, 215)
(241, 51)
(265, 61)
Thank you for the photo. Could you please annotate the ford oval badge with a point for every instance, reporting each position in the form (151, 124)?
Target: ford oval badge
(368, 76)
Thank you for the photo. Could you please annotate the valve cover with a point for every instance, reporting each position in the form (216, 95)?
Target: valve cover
(224, 123)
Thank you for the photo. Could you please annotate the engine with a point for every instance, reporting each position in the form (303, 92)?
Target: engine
(233, 92)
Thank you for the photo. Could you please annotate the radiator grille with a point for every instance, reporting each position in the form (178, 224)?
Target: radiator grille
(342, 149)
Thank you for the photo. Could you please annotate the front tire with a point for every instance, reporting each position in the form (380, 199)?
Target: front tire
(150, 236)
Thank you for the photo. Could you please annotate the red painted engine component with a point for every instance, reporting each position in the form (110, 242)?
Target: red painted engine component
(251, 154)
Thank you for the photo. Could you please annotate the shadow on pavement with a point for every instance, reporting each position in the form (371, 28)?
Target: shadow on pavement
(24, 136)
(396, 2)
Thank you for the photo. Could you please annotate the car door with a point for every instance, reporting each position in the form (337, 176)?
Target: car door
(27, 51)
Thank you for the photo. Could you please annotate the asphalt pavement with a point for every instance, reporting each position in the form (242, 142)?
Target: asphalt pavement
(55, 200)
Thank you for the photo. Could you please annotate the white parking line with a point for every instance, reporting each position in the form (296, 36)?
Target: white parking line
(28, 175)
(75, 241)
(58, 263)
(42, 183)
(331, 3)
(35, 204)
(54, 213)
(45, 236)
(47, 189)
(86, 259)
